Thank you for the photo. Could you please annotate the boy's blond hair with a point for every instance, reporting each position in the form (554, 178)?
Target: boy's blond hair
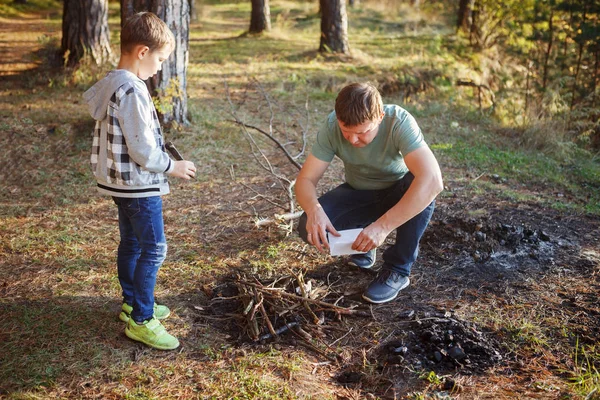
(145, 28)
(358, 103)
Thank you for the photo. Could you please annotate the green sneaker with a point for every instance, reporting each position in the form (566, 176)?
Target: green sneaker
(160, 312)
(151, 333)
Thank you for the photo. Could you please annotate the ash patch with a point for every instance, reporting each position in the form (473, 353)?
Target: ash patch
(443, 344)
(480, 250)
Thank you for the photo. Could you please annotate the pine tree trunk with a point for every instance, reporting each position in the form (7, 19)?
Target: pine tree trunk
(548, 49)
(334, 27)
(474, 31)
(595, 80)
(463, 20)
(193, 11)
(170, 84)
(260, 19)
(85, 31)
(581, 45)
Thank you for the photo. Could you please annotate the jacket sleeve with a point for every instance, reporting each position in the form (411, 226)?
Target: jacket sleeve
(136, 118)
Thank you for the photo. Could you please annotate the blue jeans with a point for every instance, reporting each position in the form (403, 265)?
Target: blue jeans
(142, 250)
(348, 208)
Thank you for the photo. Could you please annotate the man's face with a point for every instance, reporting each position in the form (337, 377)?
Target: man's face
(151, 61)
(362, 134)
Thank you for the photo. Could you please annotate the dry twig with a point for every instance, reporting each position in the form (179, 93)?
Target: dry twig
(287, 184)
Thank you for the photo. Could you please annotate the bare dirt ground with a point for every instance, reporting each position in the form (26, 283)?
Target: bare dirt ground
(502, 294)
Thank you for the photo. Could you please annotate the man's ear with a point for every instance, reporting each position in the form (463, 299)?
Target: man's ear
(142, 51)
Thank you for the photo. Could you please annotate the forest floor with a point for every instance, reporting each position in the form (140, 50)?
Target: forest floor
(503, 301)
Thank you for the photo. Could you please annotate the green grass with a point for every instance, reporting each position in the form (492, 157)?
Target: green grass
(585, 375)
(10, 9)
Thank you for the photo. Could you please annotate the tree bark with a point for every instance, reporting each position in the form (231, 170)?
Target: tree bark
(548, 49)
(193, 11)
(260, 19)
(334, 27)
(474, 30)
(169, 84)
(581, 46)
(85, 31)
(463, 20)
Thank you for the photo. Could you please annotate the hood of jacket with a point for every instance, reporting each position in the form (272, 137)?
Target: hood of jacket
(98, 96)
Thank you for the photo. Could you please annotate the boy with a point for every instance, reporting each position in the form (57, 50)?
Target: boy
(130, 164)
(392, 179)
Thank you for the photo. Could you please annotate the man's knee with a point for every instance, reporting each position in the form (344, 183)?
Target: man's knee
(302, 227)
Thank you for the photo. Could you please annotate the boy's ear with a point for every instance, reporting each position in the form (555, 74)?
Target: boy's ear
(142, 51)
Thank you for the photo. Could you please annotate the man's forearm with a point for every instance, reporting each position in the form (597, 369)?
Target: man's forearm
(306, 195)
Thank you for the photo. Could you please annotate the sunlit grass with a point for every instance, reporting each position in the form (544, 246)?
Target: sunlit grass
(585, 375)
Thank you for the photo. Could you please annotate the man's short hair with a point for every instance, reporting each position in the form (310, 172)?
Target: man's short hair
(358, 103)
(145, 28)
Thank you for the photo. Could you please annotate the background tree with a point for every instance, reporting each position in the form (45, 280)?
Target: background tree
(169, 86)
(463, 20)
(260, 19)
(334, 27)
(85, 31)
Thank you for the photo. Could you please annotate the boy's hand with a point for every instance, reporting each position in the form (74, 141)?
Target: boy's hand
(184, 169)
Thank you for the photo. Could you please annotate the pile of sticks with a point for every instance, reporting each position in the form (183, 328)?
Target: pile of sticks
(288, 305)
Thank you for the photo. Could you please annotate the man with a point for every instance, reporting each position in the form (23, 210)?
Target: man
(392, 179)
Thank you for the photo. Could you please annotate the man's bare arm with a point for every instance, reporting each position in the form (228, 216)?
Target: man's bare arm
(317, 223)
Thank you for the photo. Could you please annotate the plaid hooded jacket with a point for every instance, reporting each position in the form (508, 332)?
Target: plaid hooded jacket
(128, 156)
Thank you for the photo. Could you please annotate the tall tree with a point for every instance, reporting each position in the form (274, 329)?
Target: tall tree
(334, 26)
(463, 20)
(169, 86)
(85, 31)
(260, 19)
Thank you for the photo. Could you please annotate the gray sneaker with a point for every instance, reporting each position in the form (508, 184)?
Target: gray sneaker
(364, 261)
(385, 287)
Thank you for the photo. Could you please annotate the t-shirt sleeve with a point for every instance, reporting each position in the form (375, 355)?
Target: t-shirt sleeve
(323, 147)
(407, 135)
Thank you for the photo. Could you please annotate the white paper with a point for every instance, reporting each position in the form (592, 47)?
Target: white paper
(342, 245)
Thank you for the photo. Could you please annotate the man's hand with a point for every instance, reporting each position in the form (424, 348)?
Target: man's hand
(184, 169)
(370, 238)
(317, 225)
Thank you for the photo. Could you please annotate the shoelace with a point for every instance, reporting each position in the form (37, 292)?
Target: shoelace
(388, 274)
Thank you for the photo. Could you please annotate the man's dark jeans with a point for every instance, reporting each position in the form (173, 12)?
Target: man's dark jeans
(348, 208)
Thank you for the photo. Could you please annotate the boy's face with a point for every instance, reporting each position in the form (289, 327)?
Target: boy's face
(151, 61)
(362, 134)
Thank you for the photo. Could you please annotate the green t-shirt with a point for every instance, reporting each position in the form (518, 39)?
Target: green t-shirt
(379, 164)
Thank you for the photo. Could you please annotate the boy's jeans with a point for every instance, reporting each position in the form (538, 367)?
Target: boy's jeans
(142, 250)
(348, 208)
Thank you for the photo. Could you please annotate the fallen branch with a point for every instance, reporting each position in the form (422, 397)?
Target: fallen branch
(268, 135)
(260, 222)
(479, 88)
(278, 331)
(261, 158)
